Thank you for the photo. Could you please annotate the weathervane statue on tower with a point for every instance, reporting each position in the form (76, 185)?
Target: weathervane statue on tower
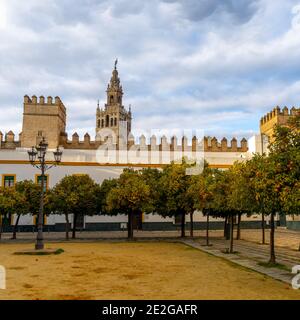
(116, 62)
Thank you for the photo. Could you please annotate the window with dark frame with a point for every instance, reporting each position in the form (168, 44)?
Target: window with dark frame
(8, 181)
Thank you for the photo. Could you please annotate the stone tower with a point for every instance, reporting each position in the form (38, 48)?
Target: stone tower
(43, 119)
(276, 117)
(114, 116)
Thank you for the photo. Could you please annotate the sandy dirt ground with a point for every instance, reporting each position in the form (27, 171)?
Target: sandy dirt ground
(123, 270)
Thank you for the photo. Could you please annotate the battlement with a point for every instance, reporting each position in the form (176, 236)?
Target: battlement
(43, 117)
(157, 144)
(9, 141)
(277, 112)
(206, 144)
(277, 116)
(34, 100)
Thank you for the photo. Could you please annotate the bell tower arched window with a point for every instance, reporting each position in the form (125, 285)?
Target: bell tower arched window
(107, 121)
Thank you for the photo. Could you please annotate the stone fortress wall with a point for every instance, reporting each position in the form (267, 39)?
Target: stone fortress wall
(277, 116)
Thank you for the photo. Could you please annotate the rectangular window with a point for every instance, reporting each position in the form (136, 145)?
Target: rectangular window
(9, 180)
(35, 220)
(38, 180)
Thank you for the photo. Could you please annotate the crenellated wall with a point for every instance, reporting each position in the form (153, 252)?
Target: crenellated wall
(277, 116)
(206, 144)
(43, 117)
(75, 143)
(9, 141)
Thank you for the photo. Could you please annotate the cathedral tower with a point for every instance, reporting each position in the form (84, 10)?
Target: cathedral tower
(114, 116)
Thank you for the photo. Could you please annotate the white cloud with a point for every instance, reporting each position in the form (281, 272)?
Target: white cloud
(3, 15)
(215, 64)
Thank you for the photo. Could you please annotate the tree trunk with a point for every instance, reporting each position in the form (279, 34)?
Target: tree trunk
(238, 232)
(207, 229)
(74, 225)
(130, 225)
(263, 240)
(225, 227)
(183, 225)
(231, 235)
(192, 224)
(67, 226)
(272, 242)
(14, 236)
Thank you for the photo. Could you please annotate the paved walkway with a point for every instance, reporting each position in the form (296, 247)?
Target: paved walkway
(249, 254)
(283, 237)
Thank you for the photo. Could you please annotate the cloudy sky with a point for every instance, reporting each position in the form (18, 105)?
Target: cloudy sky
(216, 65)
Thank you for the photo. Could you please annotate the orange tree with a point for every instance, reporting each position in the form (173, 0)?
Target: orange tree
(285, 155)
(266, 200)
(21, 199)
(256, 171)
(285, 152)
(220, 204)
(202, 195)
(9, 200)
(29, 200)
(130, 196)
(174, 199)
(77, 195)
(104, 190)
(240, 194)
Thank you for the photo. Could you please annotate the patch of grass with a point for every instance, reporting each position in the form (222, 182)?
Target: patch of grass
(274, 265)
(59, 251)
(40, 253)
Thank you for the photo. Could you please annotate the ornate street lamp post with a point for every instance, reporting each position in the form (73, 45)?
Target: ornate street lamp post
(40, 152)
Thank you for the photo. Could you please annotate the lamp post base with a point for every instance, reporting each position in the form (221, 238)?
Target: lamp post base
(39, 246)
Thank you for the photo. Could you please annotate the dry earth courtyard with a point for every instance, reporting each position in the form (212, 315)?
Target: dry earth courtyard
(132, 270)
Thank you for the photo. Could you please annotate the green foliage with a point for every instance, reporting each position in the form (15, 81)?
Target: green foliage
(131, 193)
(239, 198)
(30, 195)
(220, 190)
(173, 185)
(75, 194)
(21, 199)
(152, 177)
(285, 156)
(104, 190)
(261, 171)
(201, 189)
(9, 200)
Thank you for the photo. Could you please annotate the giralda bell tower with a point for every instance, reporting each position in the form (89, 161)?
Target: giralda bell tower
(113, 116)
